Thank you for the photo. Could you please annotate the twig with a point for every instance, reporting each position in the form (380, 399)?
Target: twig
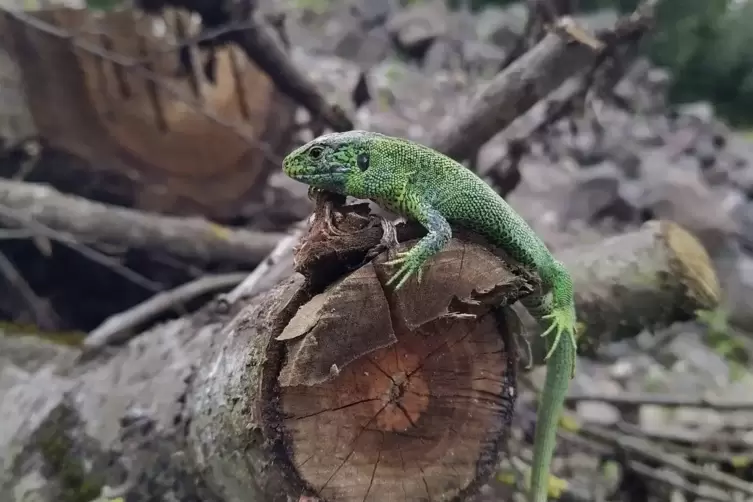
(729, 439)
(634, 399)
(603, 445)
(250, 286)
(8, 234)
(41, 316)
(194, 239)
(675, 443)
(678, 484)
(644, 449)
(119, 328)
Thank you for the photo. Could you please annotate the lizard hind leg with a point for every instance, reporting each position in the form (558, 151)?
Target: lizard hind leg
(562, 322)
(557, 309)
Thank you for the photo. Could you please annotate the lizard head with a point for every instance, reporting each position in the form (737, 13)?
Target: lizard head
(338, 162)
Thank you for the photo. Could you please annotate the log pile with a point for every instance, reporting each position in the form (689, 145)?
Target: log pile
(311, 380)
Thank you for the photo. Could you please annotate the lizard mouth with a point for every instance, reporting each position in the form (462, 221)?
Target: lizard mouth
(316, 177)
(333, 181)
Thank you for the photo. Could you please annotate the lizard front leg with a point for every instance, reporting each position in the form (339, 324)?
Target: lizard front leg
(413, 260)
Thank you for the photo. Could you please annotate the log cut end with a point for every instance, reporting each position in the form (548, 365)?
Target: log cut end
(691, 263)
(413, 421)
(402, 395)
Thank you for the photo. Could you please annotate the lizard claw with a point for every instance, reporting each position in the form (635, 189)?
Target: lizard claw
(410, 266)
(401, 257)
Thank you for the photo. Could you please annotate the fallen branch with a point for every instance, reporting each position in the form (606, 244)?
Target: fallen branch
(120, 327)
(528, 80)
(263, 50)
(94, 223)
(549, 110)
(636, 399)
(43, 235)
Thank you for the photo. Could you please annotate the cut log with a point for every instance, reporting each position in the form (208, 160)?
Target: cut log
(372, 395)
(330, 385)
(416, 418)
(648, 278)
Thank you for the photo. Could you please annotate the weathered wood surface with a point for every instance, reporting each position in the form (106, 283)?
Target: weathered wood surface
(119, 103)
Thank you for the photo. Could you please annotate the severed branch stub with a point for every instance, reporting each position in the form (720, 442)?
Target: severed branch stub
(372, 394)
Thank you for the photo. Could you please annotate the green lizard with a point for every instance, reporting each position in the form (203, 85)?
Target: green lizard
(415, 181)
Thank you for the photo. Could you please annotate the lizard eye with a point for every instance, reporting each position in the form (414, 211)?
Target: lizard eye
(362, 161)
(316, 152)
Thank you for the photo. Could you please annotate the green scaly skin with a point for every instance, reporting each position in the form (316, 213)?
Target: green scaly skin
(417, 182)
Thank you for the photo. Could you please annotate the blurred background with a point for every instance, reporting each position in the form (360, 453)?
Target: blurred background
(142, 203)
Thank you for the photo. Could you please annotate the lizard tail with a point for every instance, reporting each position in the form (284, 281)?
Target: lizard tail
(558, 374)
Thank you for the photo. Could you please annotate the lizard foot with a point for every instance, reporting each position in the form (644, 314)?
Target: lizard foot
(563, 321)
(411, 265)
